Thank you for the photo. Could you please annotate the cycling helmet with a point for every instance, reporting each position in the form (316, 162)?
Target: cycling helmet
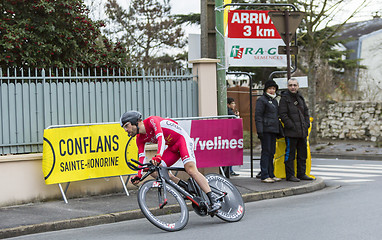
(130, 116)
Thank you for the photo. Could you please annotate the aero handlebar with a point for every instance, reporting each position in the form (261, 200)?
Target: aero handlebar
(138, 166)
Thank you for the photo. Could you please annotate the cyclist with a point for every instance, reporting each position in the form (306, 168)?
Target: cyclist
(164, 131)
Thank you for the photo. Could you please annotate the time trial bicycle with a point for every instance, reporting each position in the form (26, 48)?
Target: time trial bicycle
(162, 201)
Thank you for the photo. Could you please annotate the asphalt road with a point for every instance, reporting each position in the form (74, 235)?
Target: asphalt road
(349, 208)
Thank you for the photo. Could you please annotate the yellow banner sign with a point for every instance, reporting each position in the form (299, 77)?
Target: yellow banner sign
(77, 153)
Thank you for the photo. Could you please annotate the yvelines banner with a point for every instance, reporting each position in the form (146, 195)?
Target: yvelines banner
(217, 142)
(77, 153)
(252, 40)
(85, 152)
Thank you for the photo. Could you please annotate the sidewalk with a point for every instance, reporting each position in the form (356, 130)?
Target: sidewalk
(82, 212)
(347, 150)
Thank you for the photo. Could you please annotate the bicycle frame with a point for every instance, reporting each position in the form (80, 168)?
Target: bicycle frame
(163, 178)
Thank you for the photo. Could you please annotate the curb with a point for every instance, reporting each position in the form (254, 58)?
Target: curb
(71, 223)
(316, 185)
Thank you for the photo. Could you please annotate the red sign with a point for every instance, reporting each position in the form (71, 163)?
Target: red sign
(252, 40)
(251, 24)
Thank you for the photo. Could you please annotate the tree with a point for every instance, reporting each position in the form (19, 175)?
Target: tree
(49, 33)
(147, 29)
(192, 18)
(334, 70)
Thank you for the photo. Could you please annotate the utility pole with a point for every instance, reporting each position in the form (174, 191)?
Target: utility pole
(220, 54)
(208, 32)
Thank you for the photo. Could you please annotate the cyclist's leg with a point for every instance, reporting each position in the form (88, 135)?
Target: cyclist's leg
(185, 147)
(186, 150)
(169, 158)
(180, 150)
(191, 169)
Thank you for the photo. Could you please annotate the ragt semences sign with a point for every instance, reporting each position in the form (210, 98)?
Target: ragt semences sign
(252, 40)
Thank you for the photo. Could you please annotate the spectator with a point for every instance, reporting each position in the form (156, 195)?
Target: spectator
(295, 116)
(231, 108)
(267, 126)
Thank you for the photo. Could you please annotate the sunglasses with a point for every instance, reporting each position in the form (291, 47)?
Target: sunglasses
(126, 125)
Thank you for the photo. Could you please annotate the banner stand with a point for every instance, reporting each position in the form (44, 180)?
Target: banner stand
(222, 172)
(63, 192)
(124, 184)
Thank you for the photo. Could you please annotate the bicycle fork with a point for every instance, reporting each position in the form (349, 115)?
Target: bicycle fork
(162, 195)
(162, 190)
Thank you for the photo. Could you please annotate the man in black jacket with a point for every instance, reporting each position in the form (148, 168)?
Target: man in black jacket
(295, 116)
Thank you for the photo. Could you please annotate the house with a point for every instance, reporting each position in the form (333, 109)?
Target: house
(366, 43)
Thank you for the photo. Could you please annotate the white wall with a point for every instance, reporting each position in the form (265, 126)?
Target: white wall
(22, 181)
(370, 79)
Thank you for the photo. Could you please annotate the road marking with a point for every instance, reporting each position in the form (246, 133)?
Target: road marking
(354, 170)
(356, 173)
(329, 178)
(354, 180)
(355, 166)
(370, 166)
(341, 174)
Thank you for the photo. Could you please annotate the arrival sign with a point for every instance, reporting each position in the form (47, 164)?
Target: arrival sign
(252, 40)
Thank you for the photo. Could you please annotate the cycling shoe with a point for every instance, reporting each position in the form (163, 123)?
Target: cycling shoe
(214, 207)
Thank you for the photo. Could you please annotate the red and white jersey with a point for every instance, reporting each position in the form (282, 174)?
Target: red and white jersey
(164, 131)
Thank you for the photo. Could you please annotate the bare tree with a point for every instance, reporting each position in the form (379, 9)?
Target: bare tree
(319, 15)
(147, 29)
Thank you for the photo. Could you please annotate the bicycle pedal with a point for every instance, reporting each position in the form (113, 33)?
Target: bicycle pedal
(212, 214)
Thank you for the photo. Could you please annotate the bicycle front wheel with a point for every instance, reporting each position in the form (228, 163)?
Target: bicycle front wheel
(232, 204)
(173, 216)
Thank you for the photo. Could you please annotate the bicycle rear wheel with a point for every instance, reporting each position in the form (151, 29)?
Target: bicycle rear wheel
(173, 216)
(232, 204)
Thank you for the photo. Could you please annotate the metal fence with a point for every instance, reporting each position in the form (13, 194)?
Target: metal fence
(32, 99)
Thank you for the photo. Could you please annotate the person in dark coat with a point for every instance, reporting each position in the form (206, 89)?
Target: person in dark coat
(231, 109)
(295, 115)
(267, 126)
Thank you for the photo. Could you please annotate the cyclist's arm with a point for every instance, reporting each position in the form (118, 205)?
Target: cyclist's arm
(155, 124)
(141, 153)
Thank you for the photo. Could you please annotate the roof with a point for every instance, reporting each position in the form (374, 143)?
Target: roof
(358, 29)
